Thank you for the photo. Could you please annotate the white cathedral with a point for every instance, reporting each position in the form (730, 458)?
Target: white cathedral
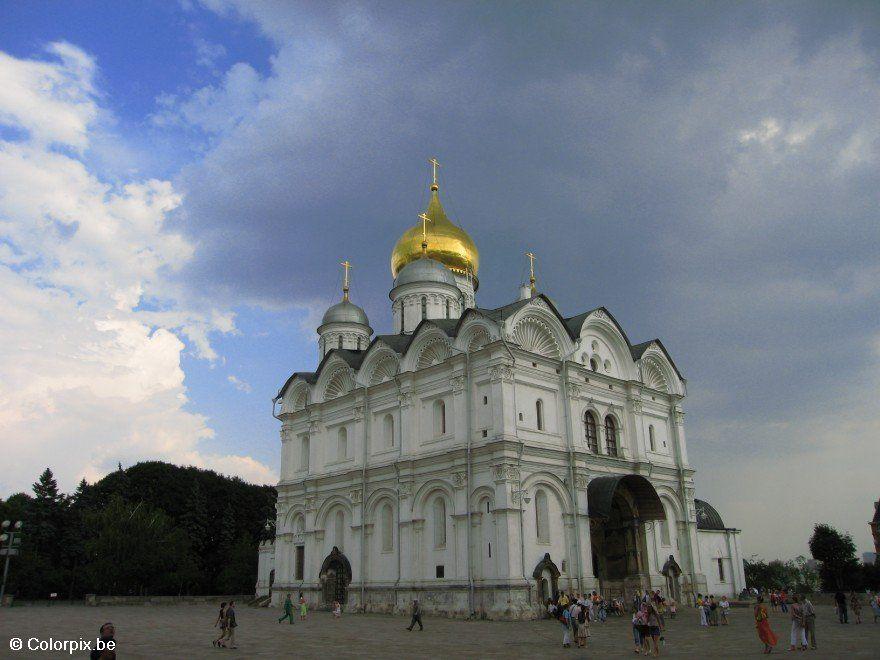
(482, 459)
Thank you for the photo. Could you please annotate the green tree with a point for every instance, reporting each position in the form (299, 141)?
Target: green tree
(836, 553)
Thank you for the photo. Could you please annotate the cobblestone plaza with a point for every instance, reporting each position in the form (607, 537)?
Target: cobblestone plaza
(184, 631)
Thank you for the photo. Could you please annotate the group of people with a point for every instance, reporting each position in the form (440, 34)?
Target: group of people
(576, 611)
(226, 622)
(288, 609)
(855, 604)
(713, 612)
(803, 622)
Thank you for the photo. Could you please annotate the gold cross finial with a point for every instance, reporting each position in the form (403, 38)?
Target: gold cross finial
(346, 265)
(425, 221)
(434, 165)
(532, 258)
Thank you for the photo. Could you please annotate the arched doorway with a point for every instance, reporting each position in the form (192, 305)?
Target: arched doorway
(547, 576)
(335, 577)
(672, 572)
(619, 507)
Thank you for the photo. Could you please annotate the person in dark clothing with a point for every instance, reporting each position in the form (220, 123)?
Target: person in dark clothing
(108, 633)
(288, 610)
(842, 614)
(416, 616)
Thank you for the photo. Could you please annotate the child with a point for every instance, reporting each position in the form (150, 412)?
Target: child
(302, 607)
(337, 609)
(672, 607)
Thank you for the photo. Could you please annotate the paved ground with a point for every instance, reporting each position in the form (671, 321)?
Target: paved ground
(184, 631)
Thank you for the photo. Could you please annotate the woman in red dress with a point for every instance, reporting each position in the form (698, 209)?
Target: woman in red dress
(762, 623)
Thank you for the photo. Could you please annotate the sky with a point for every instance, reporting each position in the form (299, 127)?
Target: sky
(179, 182)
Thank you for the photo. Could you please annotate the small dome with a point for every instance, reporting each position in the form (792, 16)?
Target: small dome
(424, 270)
(345, 312)
(707, 516)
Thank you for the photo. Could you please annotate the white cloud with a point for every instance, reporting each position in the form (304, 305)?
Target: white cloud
(89, 378)
(240, 385)
(208, 53)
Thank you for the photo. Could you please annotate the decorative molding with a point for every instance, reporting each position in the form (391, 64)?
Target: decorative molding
(599, 314)
(355, 495)
(501, 372)
(505, 472)
(404, 489)
(358, 412)
(459, 479)
(581, 481)
(678, 415)
(574, 391)
(319, 535)
(405, 399)
(457, 383)
(311, 503)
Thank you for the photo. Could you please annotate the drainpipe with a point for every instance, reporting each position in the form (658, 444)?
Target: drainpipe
(397, 475)
(572, 487)
(364, 496)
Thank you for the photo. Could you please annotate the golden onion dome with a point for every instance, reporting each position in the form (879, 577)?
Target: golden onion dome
(447, 243)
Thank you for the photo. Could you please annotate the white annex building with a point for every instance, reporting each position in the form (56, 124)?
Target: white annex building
(481, 459)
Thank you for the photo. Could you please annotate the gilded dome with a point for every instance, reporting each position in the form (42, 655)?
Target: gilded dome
(447, 243)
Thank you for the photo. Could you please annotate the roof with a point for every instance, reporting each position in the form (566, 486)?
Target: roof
(424, 270)
(345, 312)
(707, 517)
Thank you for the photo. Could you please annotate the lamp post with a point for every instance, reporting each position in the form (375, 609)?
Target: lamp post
(9, 540)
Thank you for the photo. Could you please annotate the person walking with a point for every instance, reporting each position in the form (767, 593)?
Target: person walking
(798, 638)
(416, 616)
(565, 621)
(231, 624)
(713, 611)
(855, 604)
(303, 608)
(810, 622)
(288, 610)
(583, 619)
(762, 625)
(840, 599)
(637, 630)
(220, 623)
(337, 609)
(653, 621)
(724, 608)
(875, 605)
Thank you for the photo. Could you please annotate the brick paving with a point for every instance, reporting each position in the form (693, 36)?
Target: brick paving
(184, 631)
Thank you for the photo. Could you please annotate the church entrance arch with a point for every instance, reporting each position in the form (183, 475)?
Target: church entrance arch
(335, 577)
(672, 572)
(619, 507)
(547, 576)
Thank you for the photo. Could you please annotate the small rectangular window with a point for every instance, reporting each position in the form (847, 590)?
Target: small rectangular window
(485, 400)
(520, 417)
(440, 571)
(300, 562)
(485, 433)
(490, 548)
(721, 570)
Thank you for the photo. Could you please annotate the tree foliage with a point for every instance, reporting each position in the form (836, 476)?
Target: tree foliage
(794, 575)
(152, 529)
(836, 554)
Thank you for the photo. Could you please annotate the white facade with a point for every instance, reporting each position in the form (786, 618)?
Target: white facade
(481, 459)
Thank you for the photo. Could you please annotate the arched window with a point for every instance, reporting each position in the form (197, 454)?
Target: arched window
(388, 423)
(342, 445)
(424, 308)
(448, 309)
(359, 342)
(387, 528)
(594, 365)
(304, 454)
(339, 529)
(651, 443)
(339, 342)
(590, 434)
(539, 414)
(610, 436)
(664, 531)
(439, 417)
(439, 523)
(542, 517)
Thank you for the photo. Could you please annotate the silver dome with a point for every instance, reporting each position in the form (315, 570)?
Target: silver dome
(424, 270)
(345, 312)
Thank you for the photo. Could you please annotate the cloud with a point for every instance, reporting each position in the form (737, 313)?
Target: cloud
(208, 53)
(91, 373)
(240, 385)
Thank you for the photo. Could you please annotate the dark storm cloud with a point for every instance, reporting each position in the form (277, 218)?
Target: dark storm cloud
(708, 172)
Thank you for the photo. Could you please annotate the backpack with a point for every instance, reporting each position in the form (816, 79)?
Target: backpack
(582, 615)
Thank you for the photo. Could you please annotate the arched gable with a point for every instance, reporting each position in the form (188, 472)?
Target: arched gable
(290, 517)
(430, 345)
(657, 372)
(475, 332)
(537, 328)
(479, 494)
(297, 397)
(601, 338)
(381, 364)
(337, 379)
